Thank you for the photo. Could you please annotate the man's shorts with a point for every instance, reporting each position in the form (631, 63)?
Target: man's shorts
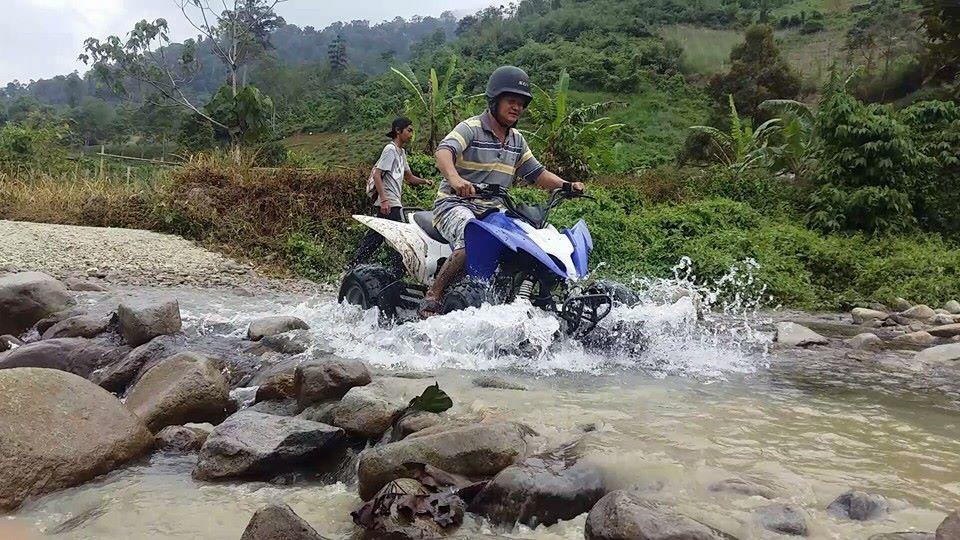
(452, 223)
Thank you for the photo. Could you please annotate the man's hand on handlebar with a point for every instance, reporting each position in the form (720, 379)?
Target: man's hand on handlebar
(462, 187)
(578, 187)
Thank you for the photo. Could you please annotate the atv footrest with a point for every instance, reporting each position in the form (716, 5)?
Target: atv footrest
(584, 313)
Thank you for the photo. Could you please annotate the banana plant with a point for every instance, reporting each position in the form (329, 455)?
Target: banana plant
(434, 109)
(793, 144)
(744, 147)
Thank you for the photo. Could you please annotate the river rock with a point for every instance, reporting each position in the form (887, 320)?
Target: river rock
(269, 326)
(946, 331)
(921, 338)
(8, 342)
(941, 319)
(80, 285)
(865, 342)
(864, 315)
(116, 376)
(27, 297)
(626, 515)
(184, 388)
(279, 522)
(414, 422)
(949, 529)
(794, 335)
(542, 489)
(253, 444)
(941, 353)
(285, 407)
(475, 450)
(275, 381)
(364, 412)
(293, 342)
(903, 536)
(494, 381)
(74, 355)
(742, 487)
(326, 378)
(783, 519)
(859, 506)
(901, 304)
(952, 307)
(141, 321)
(182, 439)
(58, 430)
(920, 312)
(85, 326)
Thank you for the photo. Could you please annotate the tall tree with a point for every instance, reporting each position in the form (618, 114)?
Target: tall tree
(941, 20)
(337, 53)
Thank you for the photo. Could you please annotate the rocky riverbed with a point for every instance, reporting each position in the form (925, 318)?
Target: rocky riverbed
(135, 407)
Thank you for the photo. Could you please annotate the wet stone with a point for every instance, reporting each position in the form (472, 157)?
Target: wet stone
(782, 518)
(859, 506)
(742, 487)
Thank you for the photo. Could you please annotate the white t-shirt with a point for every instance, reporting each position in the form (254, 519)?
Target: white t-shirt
(392, 164)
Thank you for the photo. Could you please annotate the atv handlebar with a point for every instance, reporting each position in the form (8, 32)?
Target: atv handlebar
(557, 196)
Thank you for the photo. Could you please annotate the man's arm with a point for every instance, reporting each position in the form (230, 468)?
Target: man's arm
(415, 180)
(449, 171)
(381, 191)
(548, 181)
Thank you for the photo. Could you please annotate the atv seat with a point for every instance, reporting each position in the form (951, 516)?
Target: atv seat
(424, 220)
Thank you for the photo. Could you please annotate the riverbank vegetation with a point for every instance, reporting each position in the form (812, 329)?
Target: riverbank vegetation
(835, 185)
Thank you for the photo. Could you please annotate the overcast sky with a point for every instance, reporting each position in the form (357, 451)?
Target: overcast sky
(42, 38)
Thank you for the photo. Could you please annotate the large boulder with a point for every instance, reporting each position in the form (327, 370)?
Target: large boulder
(253, 444)
(58, 430)
(792, 334)
(327, 378)
(74, 355)
(474, 450)
(864, 315)
(279, 522)
(27, 297)
(941, 353)
(183, 439)
(269, 326)
(542, 489)
(141, 321)
(946, 331)
(184, 388)
(364, 411)
(859, 506)
(950, 528)
(276, 380)
(116, 376)
(626, 515)
(921, 312)
(293, 342)
(85, 326)
(782, 518)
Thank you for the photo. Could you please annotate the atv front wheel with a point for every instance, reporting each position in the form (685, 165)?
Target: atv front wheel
(619, 293)
(466, 293)
(370, 286)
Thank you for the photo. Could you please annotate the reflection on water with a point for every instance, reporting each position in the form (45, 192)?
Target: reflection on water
(698, 406)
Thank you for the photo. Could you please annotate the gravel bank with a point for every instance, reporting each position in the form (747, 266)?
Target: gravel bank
(127, 257)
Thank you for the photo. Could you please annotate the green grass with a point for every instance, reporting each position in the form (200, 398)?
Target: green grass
(332, 150)
(705, 50)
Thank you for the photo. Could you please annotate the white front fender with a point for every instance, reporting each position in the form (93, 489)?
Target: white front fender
(419, 252)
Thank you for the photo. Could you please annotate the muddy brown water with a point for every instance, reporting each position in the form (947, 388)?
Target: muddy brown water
(698, 407)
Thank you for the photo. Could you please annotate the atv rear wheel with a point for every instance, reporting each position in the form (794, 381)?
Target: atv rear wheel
(466, 293)
(370, 286)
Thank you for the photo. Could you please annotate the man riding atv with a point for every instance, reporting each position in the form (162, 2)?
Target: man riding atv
(484, 150)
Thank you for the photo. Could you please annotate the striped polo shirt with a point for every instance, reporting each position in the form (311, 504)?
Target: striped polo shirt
(481, 158)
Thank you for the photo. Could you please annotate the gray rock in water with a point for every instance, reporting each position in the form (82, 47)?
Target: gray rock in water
(859, 506)
(269, 326)
(952, 307)
(28, 297)
(80, 285)
(622, 515)
(920, 312)
(279, 522)
(327, 378)
(949, 529)
(85, 326)
(901, 304)
(252, 444)
(473, 450)
(58, 430)
(946, 331)
(921, 338)
(542, 489)
(415, 422)
(141, 321)
(364, 411)
(904, 536)
(783, 519)
(864, 315)
(794, 335)
(865, 342)
(941, 353)
(742, 487)
(75, 355)
(493, 381)
(181, 439)
(276, 380)
(184, 388)
(116, 376)
(292, 342)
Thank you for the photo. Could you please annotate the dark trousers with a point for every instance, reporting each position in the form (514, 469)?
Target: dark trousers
(373, 240)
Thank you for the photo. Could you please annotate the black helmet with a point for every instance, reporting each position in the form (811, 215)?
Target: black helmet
(508, 80)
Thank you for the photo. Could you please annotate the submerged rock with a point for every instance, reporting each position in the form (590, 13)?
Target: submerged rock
(920, 312)
(253, 444)
(58, 430)
(542, 489)
(181, 439)
(327, 378)
(74, 355)
(949, 529)
(859, 506)
(184, 388)
(501, 383)
(141, 321)
(269, 326)
(279, 522)
(794, 335)
(941, 353)
(476, 450)
(293, 342)
(27, 297)
(865, 342)
(864, 315)
(364, 411)
(742, 487)
(783, 519)
(624, 514)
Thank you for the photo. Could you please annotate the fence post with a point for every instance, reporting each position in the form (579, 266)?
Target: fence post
(102, 158)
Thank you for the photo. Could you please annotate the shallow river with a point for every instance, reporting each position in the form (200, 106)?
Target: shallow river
(703, 403)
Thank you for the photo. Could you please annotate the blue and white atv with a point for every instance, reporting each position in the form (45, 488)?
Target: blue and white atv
(512, 253)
